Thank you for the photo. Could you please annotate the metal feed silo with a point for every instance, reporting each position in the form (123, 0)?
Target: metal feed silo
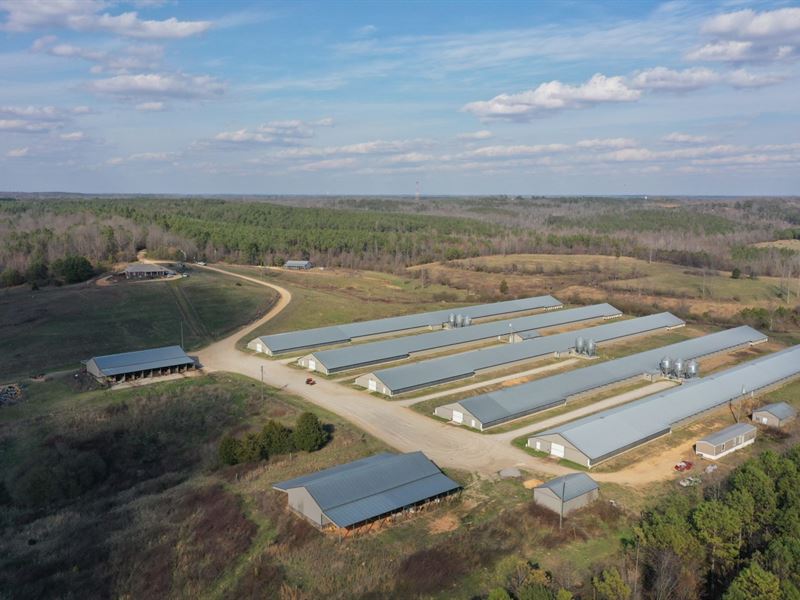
(678, 367)
(692, 369)
(580, 345)
(459, 320)
(666, 365)
(591, 348)
(452, 320)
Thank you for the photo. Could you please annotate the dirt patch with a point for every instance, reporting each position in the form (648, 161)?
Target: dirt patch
(444, 524)
(529, 484)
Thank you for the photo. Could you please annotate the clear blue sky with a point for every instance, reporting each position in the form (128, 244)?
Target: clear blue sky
(355, 97)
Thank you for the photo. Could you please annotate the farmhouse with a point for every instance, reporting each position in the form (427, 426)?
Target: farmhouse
(141, 364)
(725, 441)
(774, 415)
(405, 378)
(567, 494)
(493, 408)
(147, 271)
(358, 493)
(351, 357)
(598, 437)
(280, 343)
(298, 265)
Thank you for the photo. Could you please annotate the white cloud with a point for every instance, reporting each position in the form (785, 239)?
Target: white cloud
(662, 78)
(326, 165)
(695, 78)
(366, 30)
(644, 154)
(555, 95)
(120, 60)
(24, 126)
(745, 79)
(726, 51)
(18, 152)
(73, 136)
(685, 138)
(411, 158)
(145, 157)
(274, 132)
(781, 24)
(484, 134)
(362, 148)
(159, 85)
(518, 150)
(607, 143)
(81, 110)
(150, 106)
(85, 15)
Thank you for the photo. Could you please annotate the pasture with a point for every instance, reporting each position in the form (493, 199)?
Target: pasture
(55, 327)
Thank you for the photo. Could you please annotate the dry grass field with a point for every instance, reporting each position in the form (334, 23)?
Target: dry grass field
(628, 281)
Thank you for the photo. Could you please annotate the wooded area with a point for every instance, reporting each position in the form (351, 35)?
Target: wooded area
(391, 234)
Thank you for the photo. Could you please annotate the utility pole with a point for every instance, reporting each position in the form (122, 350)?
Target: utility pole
(262, 384)
(181, 333)
(563, 493)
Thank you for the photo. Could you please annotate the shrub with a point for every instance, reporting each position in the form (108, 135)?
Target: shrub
(499, 594)
(55, 476)
(736, 273)
(37, 271)
(250, 449)
(276, 438)
(309, 435)
(73, 269)
(10, 277)
(229, 450)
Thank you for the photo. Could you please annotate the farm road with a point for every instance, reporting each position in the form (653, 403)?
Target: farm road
(397, 426)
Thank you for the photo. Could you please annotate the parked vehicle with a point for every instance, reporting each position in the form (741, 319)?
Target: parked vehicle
(310, 381)
(684, 465)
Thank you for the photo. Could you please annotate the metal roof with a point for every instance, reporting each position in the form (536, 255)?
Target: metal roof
(727, 434)
(568, 487)
(340, 359)
(438, 370)
(324, 336)
(781, 410)
(141, 360)
(609, 432)
(296, 263)
(368, 488)
(146, 268)
(512, 402)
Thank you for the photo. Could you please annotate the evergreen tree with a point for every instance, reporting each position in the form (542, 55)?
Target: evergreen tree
(229, 450)
(309, 434)
(276, 438)
(610, 586)
(754, 583)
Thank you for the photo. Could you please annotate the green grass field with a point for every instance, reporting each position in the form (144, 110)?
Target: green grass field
(222, 532)
(334, 296)
(56, 327)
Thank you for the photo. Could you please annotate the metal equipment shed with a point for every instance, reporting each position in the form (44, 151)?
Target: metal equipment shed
(405, 378)
(500, 406)
(298, 264)
(725, 441)
(593, 439)
(139, 364)
(351, 357)
(279, 343)
(349, 495)
(774, 415)
(567, 493)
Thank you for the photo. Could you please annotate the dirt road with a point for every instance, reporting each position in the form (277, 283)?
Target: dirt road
(398, 426)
